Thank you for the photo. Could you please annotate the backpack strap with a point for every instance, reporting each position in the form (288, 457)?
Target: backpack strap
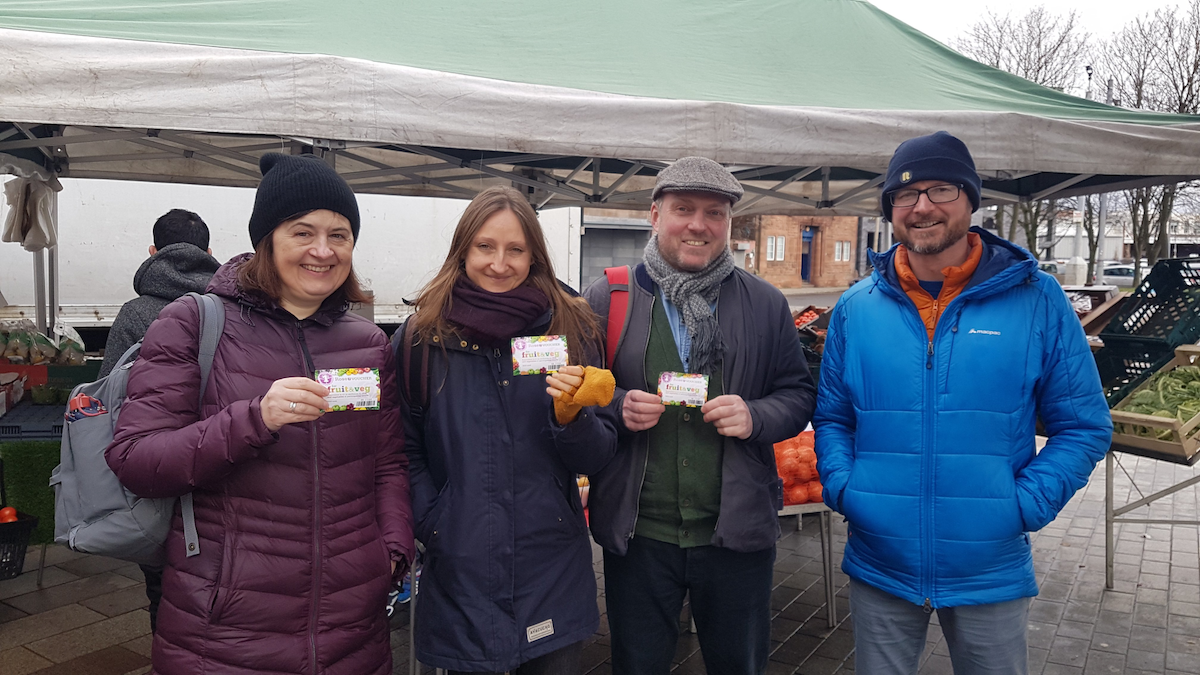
(413, 361)
(212, 326)
(618, 310)
(129, 355)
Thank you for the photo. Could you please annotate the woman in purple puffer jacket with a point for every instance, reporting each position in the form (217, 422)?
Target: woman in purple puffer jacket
(303, 515)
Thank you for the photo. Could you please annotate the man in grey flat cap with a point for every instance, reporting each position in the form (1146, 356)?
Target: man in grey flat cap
(688, 505)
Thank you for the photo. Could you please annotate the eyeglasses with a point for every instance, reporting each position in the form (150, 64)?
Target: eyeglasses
(938, 194)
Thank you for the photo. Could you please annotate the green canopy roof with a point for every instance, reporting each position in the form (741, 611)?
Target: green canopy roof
(581, 103)
(826, 53)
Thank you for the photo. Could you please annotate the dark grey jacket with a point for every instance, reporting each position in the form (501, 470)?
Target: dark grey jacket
(763, 364)
(164, 277)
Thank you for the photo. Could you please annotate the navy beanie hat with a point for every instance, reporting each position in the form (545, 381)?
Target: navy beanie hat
(294, 184)
(937, 156)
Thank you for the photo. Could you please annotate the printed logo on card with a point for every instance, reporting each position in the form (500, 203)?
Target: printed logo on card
(540, 630)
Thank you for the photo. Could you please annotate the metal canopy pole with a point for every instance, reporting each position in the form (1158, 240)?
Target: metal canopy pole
(52, 269)
(39, 289)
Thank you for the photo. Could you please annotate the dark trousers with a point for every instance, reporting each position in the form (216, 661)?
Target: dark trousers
(153, 574)
(730, 598)
(565, 661)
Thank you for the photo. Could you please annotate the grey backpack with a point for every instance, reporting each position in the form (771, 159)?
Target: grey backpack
(93, 512)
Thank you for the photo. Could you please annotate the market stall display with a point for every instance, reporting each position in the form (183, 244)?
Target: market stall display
(796, 462)
(1085, 299)
(1161, 418)
(1151, 334)
(1160, 315)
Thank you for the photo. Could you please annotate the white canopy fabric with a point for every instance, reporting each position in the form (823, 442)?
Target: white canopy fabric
(183, 109)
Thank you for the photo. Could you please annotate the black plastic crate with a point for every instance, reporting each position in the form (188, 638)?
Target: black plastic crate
(14, 541)
(26, 421)
(1164, 308)
(1126, 363)
(14, 537)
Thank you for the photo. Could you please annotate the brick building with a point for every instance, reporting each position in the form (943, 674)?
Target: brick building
(796, 251)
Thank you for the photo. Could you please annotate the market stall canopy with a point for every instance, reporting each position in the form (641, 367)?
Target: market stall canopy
(581, 103)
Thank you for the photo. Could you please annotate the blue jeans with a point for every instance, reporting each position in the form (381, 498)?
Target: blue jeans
(730, 598)
(889, 634)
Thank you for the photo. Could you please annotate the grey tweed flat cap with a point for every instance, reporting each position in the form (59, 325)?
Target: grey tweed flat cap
(698, 174)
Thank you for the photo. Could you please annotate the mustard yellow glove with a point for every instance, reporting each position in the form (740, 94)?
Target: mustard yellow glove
(596, 389)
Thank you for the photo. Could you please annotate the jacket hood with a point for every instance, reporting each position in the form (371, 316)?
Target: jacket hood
(1002, 263)
(175, 270)
(225, 284)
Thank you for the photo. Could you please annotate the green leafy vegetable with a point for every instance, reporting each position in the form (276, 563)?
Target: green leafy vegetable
(1171, 395)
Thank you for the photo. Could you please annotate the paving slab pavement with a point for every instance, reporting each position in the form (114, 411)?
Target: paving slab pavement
(90, 617)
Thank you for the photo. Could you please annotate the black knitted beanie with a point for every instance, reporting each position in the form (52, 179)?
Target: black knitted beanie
(938, 156)
(294, 184)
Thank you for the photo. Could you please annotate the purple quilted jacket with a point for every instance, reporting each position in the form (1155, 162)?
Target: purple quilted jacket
(297, 528)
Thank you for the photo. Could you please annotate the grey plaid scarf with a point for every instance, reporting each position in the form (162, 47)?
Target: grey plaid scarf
(692, 292)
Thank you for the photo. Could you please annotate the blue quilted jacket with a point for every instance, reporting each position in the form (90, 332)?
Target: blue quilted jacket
(927, 447)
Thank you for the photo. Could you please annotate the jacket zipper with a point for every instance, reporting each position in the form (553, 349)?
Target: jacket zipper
(316, 589)
(927, 479)
(637, 504)
(926, 589)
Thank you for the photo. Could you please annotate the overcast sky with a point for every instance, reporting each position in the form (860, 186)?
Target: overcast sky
(947, 19)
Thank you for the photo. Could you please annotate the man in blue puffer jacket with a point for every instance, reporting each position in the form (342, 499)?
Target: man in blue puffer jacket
(936, 370)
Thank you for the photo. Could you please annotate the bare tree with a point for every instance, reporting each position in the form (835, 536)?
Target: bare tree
(1154, 62)
(1091, 228)
(1032, 218)
(1150, 217)
(1042, 47)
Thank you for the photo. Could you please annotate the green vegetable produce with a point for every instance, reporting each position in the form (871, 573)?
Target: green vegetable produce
(1171, 395)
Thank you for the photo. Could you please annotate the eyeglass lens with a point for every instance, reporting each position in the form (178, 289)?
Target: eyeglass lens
(938, 194)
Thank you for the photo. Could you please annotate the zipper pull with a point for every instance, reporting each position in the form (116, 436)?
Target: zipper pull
(927, 607)
(929, 358)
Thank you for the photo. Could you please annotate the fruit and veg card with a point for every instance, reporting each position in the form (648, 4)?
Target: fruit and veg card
(350, 388)
(686, 389)
(538, 354)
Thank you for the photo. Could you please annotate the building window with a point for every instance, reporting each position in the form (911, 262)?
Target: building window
(779, 247)
(770, 248)
(841, 251)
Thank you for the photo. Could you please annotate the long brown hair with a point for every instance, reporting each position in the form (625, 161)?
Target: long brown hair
(572, 316)
(259, 274)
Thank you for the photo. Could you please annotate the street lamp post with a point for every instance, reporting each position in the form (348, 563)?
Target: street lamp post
(1076, 269)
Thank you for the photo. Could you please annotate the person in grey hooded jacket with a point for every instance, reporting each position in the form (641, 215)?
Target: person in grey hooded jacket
(180, 262)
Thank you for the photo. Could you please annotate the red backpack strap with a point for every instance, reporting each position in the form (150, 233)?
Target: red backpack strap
(618, 310)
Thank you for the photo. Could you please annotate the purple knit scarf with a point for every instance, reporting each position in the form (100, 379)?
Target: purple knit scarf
(495, 317)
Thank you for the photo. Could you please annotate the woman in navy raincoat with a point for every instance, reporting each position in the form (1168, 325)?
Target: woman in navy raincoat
(508, 583)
